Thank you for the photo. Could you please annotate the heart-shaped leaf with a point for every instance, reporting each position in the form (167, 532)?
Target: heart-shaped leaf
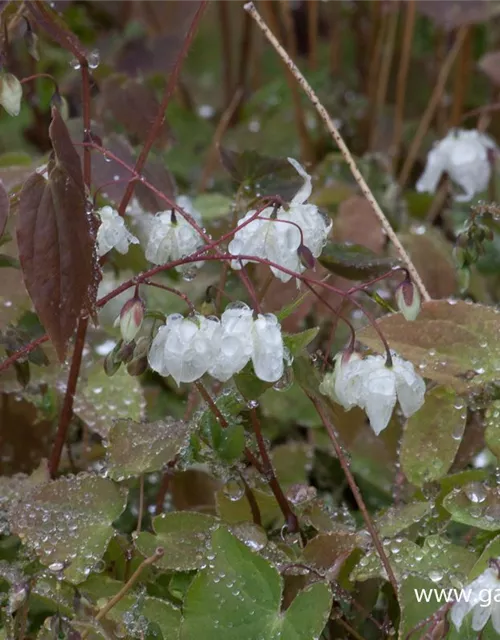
(354, 262)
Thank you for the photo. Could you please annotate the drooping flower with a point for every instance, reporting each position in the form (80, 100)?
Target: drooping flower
(184, 347)
(408, 300)
(235, 344)
(172, 237)
(463, 155)
(276, 234)
(112, 232)
(482, 601)
(375, 387)
(131, 318)
(243, 338)
(11, 93)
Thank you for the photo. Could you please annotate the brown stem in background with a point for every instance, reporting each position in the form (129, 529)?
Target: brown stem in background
(385, 67)
(335, 36)
(356, 493)
(373, 75)
(167, 95)
(462, 78)
(290, 517)
(312, 32)
(306, 146)
(227, 59)
(431, 106)
(69, 396)
(164, 486)
(254, 507)
(404, 65)
(220, 130)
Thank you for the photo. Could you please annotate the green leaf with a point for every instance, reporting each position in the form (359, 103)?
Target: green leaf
(492, 550)
(134, 606)
(68, 521)
(183, 535)
(451, 342)
(296, 342)
(8, 261)
(135, 448)
(354, 261)
(413, 611)
(249, 385)
(492, 431)
(474, 504)
(212, 206)
(229, 442)
(431, 436)
(239, 596)
(397, 519)
(263, 175)
(288, 309)
(235, 508)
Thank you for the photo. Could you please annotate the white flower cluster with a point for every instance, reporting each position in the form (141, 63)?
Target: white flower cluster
(372, 385)
(276, 234)
(187, 348)
(169, 236)
(463, 155)
(483, 600)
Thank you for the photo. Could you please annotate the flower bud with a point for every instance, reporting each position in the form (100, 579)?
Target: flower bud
(131, 317)
(11, 92)
(126, 351)
(137, 366)
(408, 300)
(306, 257)
(112, 361)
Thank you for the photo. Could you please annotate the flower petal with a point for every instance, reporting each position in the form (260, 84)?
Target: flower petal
(267, 356)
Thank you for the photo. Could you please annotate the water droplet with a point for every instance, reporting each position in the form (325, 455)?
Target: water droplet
(94, 59)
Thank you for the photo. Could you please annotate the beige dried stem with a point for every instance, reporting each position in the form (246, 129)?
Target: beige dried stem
(365, 189)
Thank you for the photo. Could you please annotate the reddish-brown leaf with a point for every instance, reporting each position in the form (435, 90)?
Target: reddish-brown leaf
(134, 106)
(56, 246)
(4, 208)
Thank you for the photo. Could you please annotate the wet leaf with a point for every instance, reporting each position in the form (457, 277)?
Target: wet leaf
(135, 448)
(431, 436)
(328, 551)
(475, 504)
(451, 342)
(133, 608)
(234, 507)
(397, 519)
(492, 431)
(4, 208)
(263, 175)
(68, 522)
(239, 596)
(56, 247)
(357, 223)
(354, 261)
(296, 342)
(413, 611)
(183, 536)
(213, 206)
(291, 462)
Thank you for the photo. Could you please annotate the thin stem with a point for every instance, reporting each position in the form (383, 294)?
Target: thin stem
(126, 587)
(227, 57)
(385, 67)
(462, 77)
(176, 292)
(356, 492)
(167, 95)
(254, 507)
(141, 504)
(404, 65)
(348, 628)
(312, 32)
(365, 189)
(164, 486)
(290, 517)
(431, 108)
(220, 130)
(69, 396)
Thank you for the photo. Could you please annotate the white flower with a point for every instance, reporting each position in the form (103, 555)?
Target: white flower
(185, 347)
(235, 344)
(268, 350)
(463, 155)
(112, 233)
(242, 338)
(368, 383)
(271, 236)
(172, 237)
(482, 593)
(11, 92)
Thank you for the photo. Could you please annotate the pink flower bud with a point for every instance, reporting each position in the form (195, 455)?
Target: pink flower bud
(131, 317)
(408, 300)
(11, 92)
(306, 257)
